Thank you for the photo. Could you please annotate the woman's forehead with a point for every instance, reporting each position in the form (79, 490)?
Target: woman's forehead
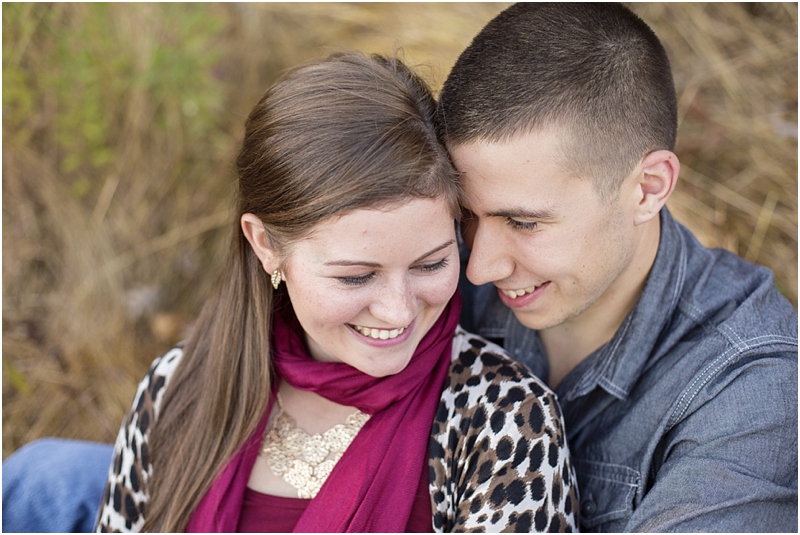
(410, 227)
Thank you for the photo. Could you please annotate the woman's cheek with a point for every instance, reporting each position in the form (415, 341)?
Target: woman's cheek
(442, 289)
(343, 308)
(325, 308)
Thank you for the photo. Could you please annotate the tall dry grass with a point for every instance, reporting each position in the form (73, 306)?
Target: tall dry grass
(121, 123)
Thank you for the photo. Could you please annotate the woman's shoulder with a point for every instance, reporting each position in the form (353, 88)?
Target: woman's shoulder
(482, 367)
(125, 495)
(162, 369)
(498, 454)
(165, 364)
(152, 386)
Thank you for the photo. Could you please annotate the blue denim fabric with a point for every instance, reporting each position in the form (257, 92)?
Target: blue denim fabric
(54, 486)
(687, 419)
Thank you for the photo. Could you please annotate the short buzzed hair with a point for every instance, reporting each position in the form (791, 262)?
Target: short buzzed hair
(595, 72)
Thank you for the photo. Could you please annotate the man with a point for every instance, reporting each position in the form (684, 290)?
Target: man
(675, 365)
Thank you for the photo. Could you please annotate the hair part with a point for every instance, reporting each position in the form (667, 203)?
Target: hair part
(346, 133)
(594, 72)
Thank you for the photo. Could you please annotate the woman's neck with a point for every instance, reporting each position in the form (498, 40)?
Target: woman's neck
(312, 412)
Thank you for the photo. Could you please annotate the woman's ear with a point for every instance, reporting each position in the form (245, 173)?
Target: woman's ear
(659, 174)
(256, 234)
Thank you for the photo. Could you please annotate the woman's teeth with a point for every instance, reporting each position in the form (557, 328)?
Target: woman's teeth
(513, 294)
(379, 334)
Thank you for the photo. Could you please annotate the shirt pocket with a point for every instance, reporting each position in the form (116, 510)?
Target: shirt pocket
(607, 492)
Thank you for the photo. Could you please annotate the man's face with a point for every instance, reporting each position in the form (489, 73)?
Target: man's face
(554, 249)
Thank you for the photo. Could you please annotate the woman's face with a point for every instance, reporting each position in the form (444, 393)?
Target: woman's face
(367, 286)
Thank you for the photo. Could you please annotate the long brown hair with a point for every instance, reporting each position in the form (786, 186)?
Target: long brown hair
(349, 132)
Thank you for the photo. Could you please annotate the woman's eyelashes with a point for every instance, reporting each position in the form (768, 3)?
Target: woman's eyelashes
(360, 280)
(357, 280)
(434, 266)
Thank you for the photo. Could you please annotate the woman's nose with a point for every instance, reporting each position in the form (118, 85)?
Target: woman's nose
(395, 305)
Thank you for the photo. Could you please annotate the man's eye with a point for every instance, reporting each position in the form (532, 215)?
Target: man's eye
(357, 280)
(522, 225)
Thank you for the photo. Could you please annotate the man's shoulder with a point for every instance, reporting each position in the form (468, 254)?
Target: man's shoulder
(736, 299)
(731, 330)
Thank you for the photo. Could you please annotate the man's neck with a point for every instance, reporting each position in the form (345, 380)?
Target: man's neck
(572, 341)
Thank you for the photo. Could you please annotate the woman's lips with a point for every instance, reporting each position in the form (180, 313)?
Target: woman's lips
(393, 336)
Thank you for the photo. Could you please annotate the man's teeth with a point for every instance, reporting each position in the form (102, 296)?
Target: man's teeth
(381, 334)
(513, 294)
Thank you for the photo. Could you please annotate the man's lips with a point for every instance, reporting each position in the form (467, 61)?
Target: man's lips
(522, 297)
(513, 294)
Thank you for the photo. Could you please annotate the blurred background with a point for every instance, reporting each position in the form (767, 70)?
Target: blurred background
(121, 123)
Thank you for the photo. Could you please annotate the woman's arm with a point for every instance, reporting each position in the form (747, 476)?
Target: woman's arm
(499, 456)
(125, 497)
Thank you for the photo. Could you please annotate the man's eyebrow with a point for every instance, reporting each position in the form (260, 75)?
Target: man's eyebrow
(377, 265)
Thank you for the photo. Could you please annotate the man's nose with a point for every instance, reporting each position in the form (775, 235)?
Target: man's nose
(490, 260)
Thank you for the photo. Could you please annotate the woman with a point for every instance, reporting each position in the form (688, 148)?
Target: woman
(326, 385)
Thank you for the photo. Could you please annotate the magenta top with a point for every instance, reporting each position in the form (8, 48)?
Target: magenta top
(264, 513)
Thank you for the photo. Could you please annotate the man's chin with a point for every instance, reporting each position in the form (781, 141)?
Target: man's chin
(535, 321)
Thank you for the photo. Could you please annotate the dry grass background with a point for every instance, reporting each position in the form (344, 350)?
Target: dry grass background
(121, 123)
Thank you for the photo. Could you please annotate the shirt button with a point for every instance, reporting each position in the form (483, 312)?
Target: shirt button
(588, 507)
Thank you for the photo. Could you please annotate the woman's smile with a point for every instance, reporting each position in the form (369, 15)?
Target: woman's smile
(367, 286)
(375, 334)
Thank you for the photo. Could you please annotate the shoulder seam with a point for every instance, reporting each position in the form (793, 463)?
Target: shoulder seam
(714, 367)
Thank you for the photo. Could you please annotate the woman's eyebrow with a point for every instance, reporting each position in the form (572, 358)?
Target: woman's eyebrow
(435, 250)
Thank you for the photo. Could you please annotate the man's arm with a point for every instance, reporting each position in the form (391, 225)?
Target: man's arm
(730, 462)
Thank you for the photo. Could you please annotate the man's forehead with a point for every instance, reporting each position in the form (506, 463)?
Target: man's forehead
(485, 201)
(547, 148)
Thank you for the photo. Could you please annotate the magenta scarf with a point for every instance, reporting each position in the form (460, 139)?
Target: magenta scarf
(372, 487)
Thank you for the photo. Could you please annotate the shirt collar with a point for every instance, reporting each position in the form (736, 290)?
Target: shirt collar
(617, 365)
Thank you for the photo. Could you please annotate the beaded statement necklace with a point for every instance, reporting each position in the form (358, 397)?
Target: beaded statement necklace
(302, 460)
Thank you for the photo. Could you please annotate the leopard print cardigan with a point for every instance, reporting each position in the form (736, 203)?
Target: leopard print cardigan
(498, 454)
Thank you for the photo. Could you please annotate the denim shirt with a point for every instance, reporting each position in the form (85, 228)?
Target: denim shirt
(686, 420)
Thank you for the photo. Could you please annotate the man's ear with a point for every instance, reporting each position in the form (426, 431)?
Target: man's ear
(256, 234)
(658, 175)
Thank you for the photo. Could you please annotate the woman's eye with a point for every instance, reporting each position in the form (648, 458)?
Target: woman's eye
(435, 266)
(522, 225)
(360, 280)
(356, 280)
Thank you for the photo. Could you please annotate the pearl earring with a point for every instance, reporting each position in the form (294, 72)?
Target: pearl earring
(276, 277)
